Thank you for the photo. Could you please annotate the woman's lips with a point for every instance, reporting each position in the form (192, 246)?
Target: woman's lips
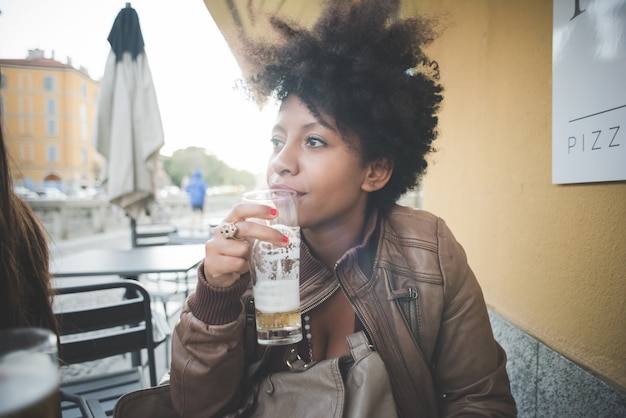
(277, 186)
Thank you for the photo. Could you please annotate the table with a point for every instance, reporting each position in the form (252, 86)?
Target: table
(129, 263)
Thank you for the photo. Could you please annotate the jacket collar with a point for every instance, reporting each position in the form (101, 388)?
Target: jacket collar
(318, 282)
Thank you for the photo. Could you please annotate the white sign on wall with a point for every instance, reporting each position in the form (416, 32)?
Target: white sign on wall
(589, 91)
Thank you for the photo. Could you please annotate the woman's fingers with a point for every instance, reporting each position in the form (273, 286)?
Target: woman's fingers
(228, 258)
(250, 230)
(228, 251)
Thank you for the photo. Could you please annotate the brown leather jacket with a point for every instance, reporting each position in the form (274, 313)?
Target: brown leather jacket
(418, 300)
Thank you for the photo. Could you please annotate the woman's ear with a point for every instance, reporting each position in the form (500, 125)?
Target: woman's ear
(377, 174)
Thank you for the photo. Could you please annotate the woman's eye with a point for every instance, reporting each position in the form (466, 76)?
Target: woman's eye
(313, 142)
(276, 143)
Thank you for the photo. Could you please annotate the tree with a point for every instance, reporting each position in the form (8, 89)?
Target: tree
(215, 172)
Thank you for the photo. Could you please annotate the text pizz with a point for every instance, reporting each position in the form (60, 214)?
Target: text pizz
(602, 139)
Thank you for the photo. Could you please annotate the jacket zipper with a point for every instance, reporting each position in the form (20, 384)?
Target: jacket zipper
(322, 300)
(368, 331)
(408, 306)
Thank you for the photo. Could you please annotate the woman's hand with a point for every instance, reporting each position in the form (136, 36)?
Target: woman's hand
(226, 259)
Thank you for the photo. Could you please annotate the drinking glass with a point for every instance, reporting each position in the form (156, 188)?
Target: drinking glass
(29, 373)
(275, 272)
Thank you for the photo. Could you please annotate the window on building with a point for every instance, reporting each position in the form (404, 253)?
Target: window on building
(25, 105)
(83, 121)
(25, 109)
(51, 107)
(3, 81)
(52, 153)
(26, 126)
(51, 127)
(27, 152)
(49, 83)
(24, 81)
(83, 89)
(51, 120)
(83, 156)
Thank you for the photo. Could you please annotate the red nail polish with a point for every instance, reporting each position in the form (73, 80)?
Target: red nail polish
(273, 211)
(285, 239)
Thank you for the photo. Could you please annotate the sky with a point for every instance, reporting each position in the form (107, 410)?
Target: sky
(193, 70)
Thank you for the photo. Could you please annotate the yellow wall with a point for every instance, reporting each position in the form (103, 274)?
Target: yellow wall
(550, 258)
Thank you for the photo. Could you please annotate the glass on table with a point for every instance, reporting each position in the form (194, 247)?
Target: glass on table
(29, 373)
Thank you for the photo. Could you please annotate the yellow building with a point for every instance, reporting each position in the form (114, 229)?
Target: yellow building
(551, 259)
(48, 111)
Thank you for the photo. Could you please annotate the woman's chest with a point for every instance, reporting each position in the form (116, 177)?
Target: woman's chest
(328, 325)
(324, 332)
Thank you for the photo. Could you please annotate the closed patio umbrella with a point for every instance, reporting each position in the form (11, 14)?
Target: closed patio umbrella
(128, 133)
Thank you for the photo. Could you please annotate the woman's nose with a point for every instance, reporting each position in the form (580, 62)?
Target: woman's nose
(286, 161)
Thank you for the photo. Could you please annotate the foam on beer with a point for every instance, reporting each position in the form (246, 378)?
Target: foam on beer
(276, 273)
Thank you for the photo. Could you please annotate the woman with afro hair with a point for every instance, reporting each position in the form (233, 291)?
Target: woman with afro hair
(357, 118)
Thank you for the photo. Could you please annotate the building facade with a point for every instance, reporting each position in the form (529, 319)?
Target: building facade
(48, 111)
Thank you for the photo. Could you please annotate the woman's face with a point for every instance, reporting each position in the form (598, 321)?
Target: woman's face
(312, 157)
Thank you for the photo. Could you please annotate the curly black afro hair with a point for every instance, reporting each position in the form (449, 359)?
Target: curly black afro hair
(366, 68)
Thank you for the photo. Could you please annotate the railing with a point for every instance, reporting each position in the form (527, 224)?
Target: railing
(73, 218)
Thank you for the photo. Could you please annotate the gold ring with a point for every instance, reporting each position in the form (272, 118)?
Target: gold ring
(228, 230)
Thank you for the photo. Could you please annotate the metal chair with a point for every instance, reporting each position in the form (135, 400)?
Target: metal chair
(151, 234)
(165, 287)
(168, 289)
(104, 326)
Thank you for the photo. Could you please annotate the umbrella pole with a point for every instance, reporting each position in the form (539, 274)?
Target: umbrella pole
(132, 294)
(133, 232)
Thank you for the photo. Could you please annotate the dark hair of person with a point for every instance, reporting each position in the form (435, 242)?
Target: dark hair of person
(25, 280)
(367, 69)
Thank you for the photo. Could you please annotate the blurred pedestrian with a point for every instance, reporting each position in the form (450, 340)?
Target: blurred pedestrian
(196, 188)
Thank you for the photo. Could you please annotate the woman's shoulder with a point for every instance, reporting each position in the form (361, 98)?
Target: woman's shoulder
(419, 242)
(408, 220)
(417, 227)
